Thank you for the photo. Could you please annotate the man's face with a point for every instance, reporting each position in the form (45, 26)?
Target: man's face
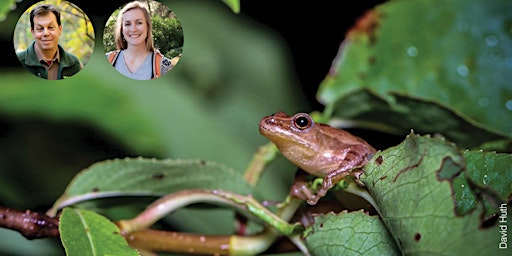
(46, 32)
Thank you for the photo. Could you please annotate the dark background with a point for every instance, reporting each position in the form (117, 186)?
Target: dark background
(313, 31)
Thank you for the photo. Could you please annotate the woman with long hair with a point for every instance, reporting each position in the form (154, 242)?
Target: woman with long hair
(136, 56)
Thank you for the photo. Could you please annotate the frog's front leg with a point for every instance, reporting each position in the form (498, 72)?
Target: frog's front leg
(350, 165)
(302, 190)
(300, 187)
(331, 180)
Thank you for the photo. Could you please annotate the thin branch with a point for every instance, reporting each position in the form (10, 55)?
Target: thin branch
(31, 225)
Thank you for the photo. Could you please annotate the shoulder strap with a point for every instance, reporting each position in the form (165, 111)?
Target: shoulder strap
(112, 57)
(157, 64)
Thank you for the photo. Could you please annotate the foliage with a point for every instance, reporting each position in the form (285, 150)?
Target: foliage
(109, 42)
(168, 36)
(419, 174)
(431, 194)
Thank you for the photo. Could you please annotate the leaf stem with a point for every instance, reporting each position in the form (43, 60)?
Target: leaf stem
(264, 155)
(139, 236)
(174, 201)
(178, 242)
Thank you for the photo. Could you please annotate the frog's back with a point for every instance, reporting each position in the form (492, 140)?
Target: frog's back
(344, 139)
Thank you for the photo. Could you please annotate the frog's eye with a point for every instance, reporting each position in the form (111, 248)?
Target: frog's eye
(302, 121)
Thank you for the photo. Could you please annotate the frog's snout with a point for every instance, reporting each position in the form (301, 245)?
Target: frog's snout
(265, 123)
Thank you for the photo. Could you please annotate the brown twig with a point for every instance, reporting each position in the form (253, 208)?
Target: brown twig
(31, 225)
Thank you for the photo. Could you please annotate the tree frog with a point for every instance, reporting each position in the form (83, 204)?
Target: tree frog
(318, 149)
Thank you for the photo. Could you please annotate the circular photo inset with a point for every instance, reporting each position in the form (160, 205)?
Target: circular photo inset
(143, 39)
(53, 39)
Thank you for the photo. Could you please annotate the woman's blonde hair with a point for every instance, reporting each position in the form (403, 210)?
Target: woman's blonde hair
(121, 43)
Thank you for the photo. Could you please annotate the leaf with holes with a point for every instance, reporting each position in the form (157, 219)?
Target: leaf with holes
(413, 185)
(491, 174)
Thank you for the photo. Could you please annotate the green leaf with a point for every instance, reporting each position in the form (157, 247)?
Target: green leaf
(84, 233)
(413, 186)
(452, 57)
(354, 233)
(148, 177)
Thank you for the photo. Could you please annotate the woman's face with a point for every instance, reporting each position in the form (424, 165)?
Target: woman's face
(135, 28)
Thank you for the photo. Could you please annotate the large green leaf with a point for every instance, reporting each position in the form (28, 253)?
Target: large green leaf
(354, 233)
(148, 177)
(445, 56)
(413, 186)
(87, 233)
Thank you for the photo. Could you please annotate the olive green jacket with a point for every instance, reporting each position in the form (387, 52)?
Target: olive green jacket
(68, 65)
